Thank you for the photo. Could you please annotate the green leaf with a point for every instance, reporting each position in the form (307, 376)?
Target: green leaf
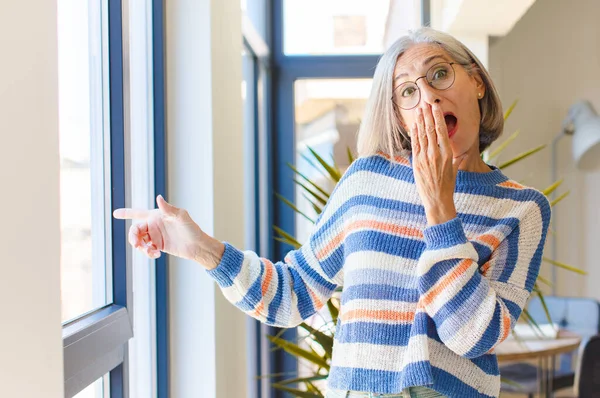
(315, 207)
(296, 246)
(521, 156)
(502, 146)
(544, 281)
(299, 352)
(319, 169)
(302, 379)
(511, 382)
(293, 206)
(565, 266)
(532, 323)
(350, 156)
(312, 388)
(333, 311)
(271, 375)
(544, 306)
(324, 340)
(552, 187)
(334, 174)
(296, 392)
(318, 188)
(510, 109)
(319, 198)
(286, 235)
(561, 197)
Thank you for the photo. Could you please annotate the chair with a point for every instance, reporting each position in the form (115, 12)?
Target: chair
(588, 371)
(576, 314)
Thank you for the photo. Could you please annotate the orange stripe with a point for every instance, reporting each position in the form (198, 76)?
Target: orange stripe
(384, 315)
(268, 275)
(446, 281)
(258, 309)
(374, 225)
(511, 184)
(318, 303)
(485, 267)
(506, 325)
(489, 240)
(398, 159)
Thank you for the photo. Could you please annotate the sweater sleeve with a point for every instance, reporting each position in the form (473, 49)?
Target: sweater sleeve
(286, 293)
(474, 310)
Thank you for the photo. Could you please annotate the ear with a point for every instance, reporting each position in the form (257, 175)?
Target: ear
(479, 84)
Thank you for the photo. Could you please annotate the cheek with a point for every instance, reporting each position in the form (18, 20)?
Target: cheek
(407, 120)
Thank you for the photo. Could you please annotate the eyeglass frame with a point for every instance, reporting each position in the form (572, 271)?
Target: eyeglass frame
(420, 77)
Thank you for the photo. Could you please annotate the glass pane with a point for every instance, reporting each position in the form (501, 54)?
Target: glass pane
(327, 117)
(346, 26)
(249, 121)
(257, 12)
(98, 389)
(83, 92)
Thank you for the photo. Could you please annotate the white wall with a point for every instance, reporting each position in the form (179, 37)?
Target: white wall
(31, 355)
(205, 176)
(550, 60)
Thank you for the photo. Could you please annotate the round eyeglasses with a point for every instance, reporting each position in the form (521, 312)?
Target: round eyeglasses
(440, 76)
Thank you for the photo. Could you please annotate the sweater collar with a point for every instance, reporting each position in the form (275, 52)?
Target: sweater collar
(471, 178)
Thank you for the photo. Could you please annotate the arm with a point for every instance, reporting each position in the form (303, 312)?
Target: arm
(473, 312)
(287, 292)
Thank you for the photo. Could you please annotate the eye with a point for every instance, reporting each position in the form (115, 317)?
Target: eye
(440, 73)
(407, 92)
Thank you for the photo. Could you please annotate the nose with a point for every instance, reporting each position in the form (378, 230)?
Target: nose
(429, 95)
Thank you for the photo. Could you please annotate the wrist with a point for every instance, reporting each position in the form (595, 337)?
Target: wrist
(440, 213)
(209, 252)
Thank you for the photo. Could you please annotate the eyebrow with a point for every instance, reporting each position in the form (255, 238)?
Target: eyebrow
(428, 60)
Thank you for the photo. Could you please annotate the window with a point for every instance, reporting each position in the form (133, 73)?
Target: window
(346, 27)
(94, 100)
(99, 389)
(84, 141)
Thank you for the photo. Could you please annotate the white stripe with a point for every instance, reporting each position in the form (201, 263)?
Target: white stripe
(378, 260)
(380, 357)
(442, 357)
(472, 331)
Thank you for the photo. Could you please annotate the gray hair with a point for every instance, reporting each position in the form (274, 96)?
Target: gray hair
(380, 128)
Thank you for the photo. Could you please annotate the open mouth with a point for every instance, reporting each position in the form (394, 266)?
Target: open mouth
(451, 123)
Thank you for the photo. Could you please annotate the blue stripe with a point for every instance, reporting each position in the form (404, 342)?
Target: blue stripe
(510, 263)
(460, 308)
(513, 308)
(254, 293)
(229, 267)
(373, 333)
(329, 268)
(452, 386)
(437, 272)
(277, 299)
(490, 336)
(384, 243)
(379, 292)
(305, 304)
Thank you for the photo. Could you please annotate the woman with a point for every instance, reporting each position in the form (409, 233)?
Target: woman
(436, 250)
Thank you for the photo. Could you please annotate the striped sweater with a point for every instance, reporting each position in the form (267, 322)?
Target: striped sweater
(421, 305)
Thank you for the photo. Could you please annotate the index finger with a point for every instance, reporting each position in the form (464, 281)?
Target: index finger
(130, 214)
(442, 131)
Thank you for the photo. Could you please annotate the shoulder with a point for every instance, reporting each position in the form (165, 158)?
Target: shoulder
(530, 203)
(379, 163)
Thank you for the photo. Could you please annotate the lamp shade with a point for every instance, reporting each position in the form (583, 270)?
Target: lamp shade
(586, 137)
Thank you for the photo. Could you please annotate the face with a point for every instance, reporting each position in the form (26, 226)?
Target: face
(459, 100)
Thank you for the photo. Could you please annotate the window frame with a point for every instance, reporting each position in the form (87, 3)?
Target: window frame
(96, 343)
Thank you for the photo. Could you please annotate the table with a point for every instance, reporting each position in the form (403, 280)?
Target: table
(544, 350)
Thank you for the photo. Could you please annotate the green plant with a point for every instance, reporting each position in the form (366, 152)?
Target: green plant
(320, 342)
